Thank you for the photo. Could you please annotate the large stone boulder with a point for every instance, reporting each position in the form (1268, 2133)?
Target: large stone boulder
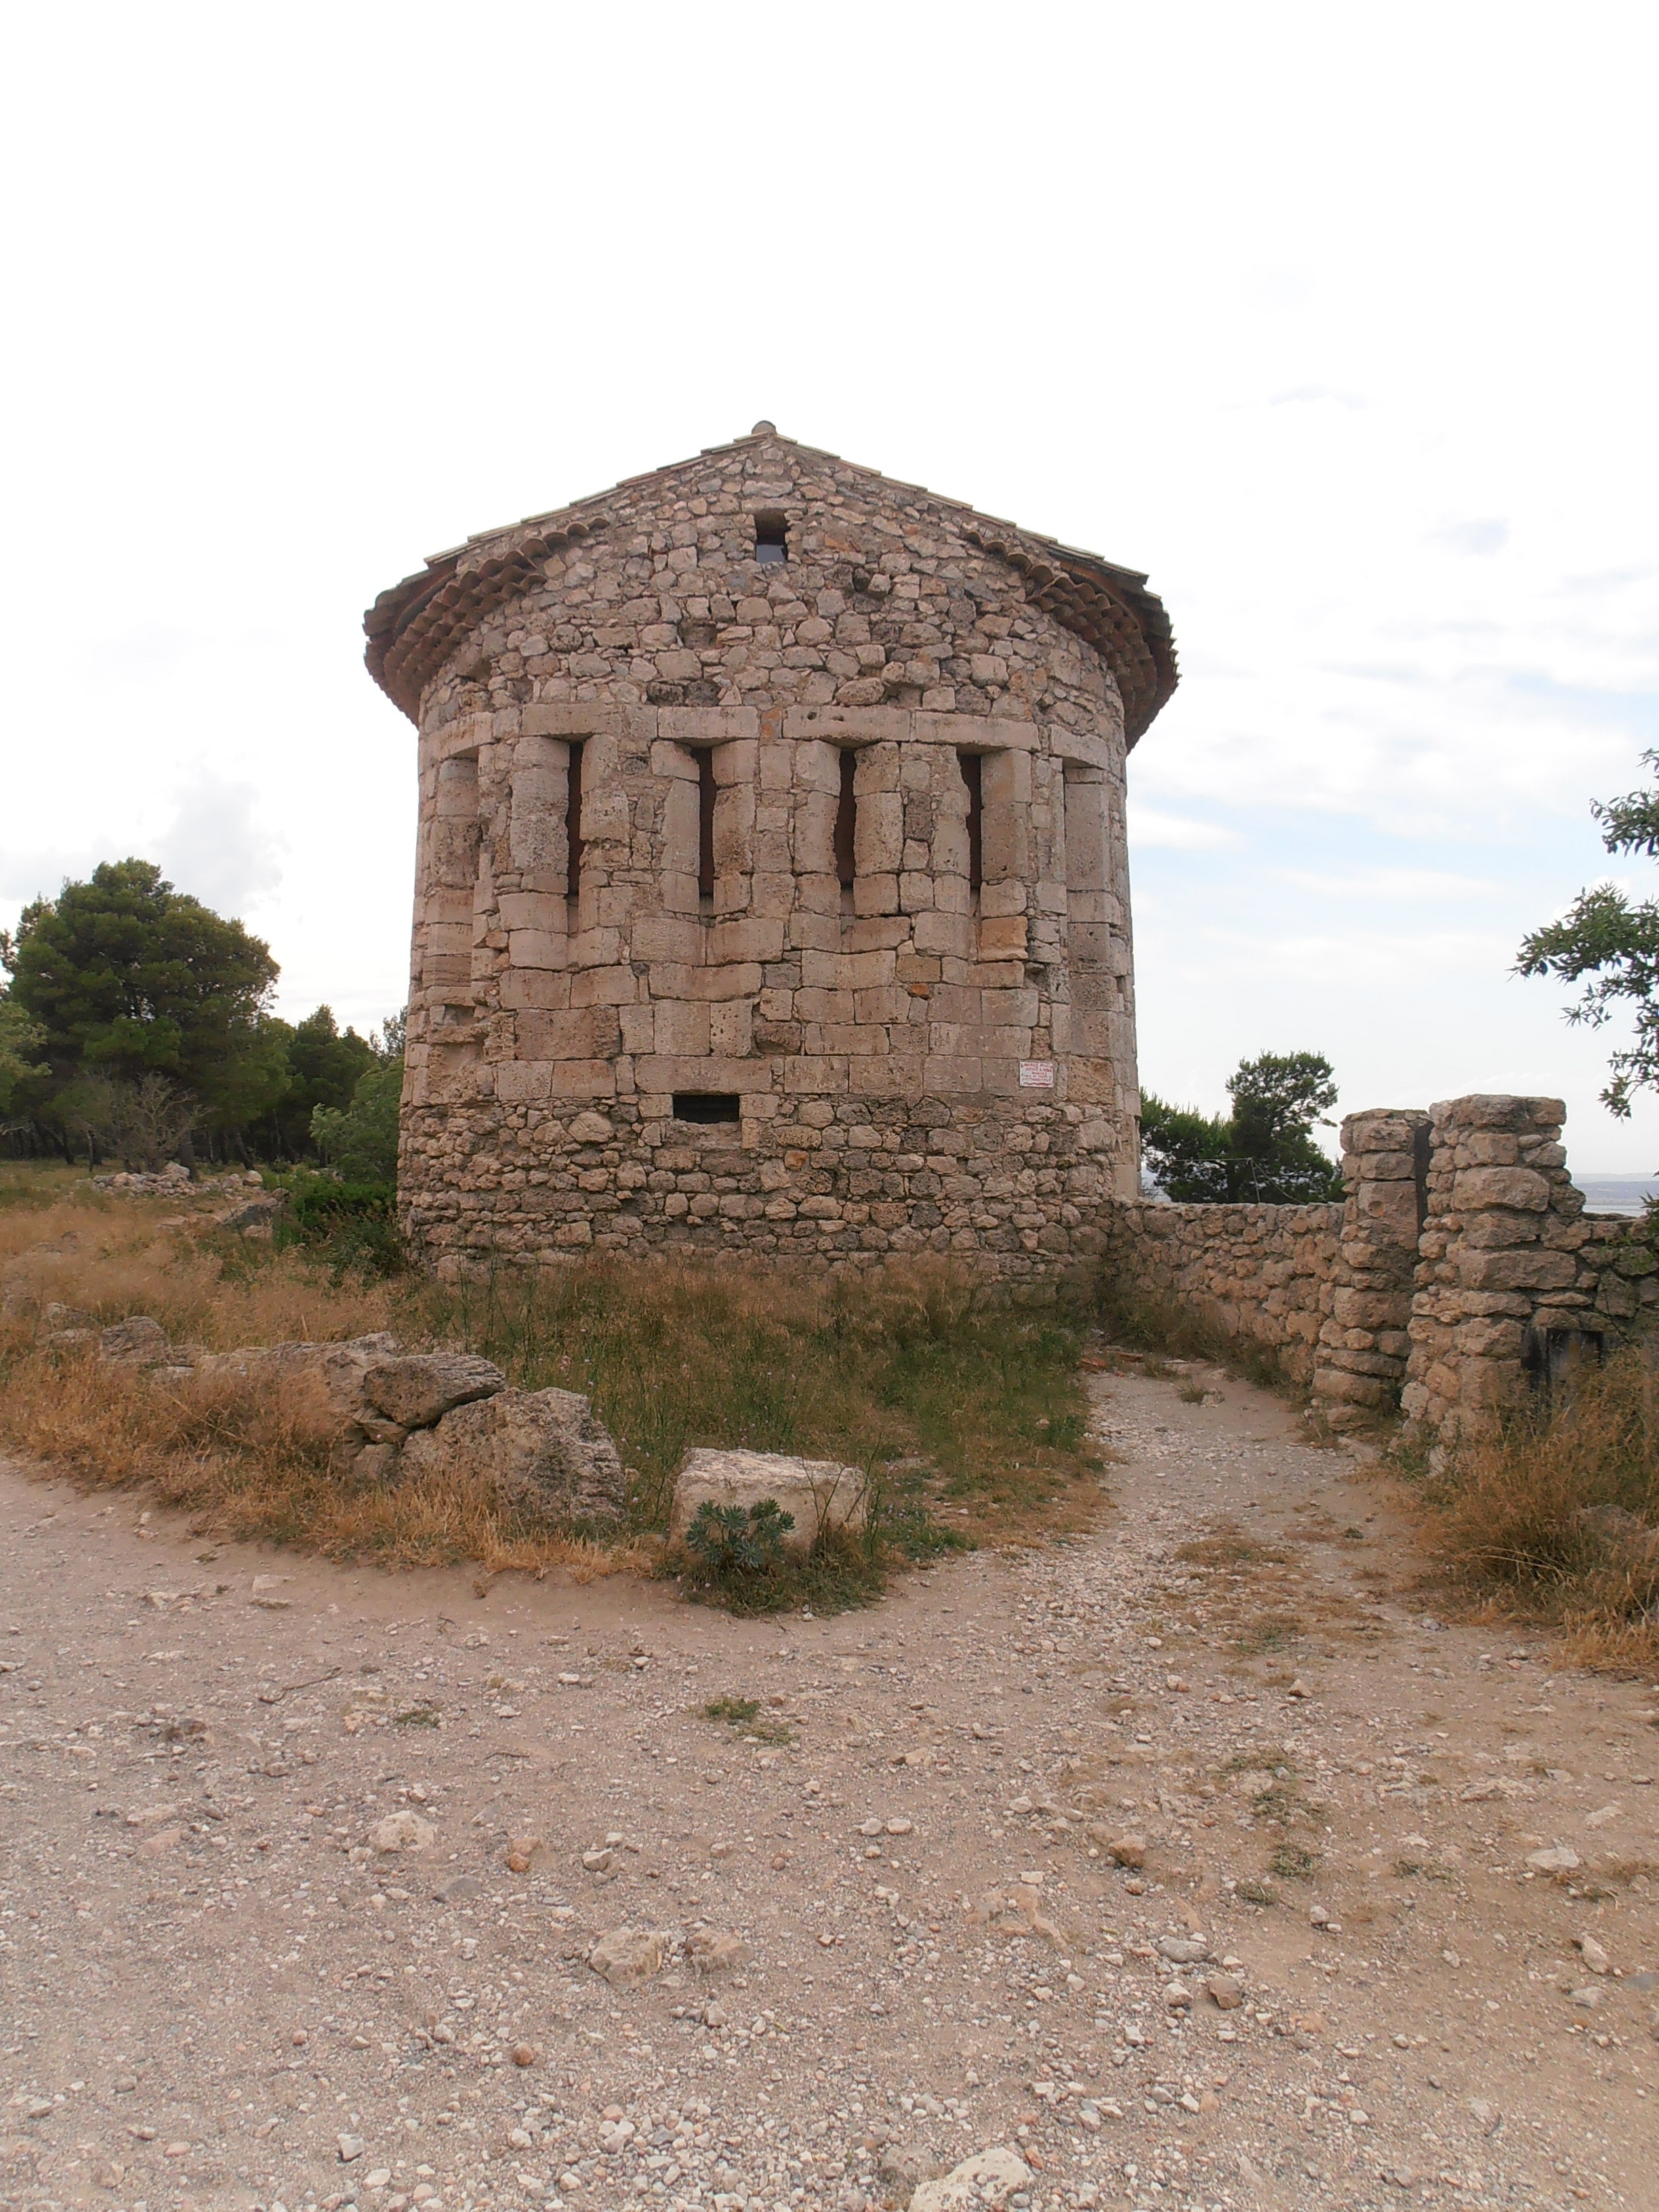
(376, 1392)
(339, 1367)
(819, 1493)
(138, 1341)
(419, 1390)
(540, 1452)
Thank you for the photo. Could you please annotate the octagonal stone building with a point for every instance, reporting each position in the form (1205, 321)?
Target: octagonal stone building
(772, 894)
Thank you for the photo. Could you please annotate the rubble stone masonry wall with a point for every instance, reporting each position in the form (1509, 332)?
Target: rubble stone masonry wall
(772, 886)
(1460, 1274)
(1262, 1275)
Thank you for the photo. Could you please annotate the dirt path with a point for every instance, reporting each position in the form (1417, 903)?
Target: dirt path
(219, 1994)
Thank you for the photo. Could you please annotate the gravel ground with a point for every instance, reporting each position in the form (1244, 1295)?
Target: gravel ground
(221, 1990)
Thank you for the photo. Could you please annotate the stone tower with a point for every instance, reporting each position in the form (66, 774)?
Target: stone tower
(772, 892)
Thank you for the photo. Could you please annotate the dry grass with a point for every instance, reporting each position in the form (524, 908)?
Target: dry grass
(1227, 1546)
(963, 1405)
(110, 1258)
(1559, 1515)
(251, 1463)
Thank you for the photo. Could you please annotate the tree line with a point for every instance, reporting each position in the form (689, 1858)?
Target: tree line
(137, 1026)
(1263, 1152)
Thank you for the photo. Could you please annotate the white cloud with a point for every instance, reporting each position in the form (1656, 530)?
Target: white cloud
(217, 848)
(1150, 825)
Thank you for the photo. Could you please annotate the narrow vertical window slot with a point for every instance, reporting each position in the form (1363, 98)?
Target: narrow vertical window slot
(771, 539)
(706, 824)
(847, 822)
(973, 775)
(573, 819)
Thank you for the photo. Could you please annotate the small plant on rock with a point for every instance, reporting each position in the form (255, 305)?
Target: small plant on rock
(732, 1542)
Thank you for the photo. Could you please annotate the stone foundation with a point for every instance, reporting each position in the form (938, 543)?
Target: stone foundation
(1017, 1189)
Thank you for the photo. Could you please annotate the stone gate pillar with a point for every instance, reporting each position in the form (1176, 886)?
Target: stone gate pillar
(1498, 1253)
(1363, 1342)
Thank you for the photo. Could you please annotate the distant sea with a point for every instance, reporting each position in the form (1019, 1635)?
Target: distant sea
(1612, 1194)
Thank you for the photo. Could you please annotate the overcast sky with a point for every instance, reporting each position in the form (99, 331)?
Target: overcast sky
(1337, 321)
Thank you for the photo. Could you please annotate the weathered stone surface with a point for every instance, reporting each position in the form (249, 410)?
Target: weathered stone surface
(338, 1369)
(988, 2177)
(713, 1951)
(540, 1452)
(628, 1957)
(257, 1215)
(819, 1493)
(1518, 1189)
(1182, 1950)
(419, 1389)
(403, 1832)
(1259, 1273)
(137, 1341)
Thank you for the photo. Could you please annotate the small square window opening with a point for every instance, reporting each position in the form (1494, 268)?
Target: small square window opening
(771, 539)
(705, 1106)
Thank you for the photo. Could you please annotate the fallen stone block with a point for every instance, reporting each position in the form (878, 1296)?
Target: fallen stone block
(820, 1494)
(628, 1957)
(711, 1952)
(418, 1389)
(403, 1832)
(138, 1341)
(541, 1452)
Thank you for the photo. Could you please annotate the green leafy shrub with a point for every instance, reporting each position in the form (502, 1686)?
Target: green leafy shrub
(731, 1543)
(353, 1226)
(737, 1712)
(360, 1141)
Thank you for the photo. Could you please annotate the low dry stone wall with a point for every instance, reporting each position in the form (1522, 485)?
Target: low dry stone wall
(1263, 1275)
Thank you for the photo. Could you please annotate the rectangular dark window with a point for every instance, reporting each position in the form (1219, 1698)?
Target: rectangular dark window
(573, 819)
(771, 539)
(846, 821)
(706, 822)
(705, 1106)
(973, 775)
